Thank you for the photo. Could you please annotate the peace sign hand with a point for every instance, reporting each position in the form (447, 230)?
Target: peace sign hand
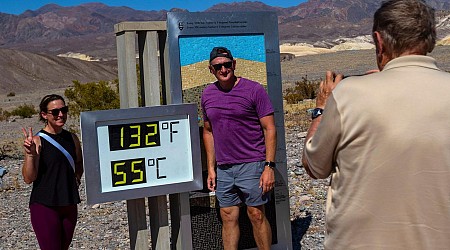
(28, 143)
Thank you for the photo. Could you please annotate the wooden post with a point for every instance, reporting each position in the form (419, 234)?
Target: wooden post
(181, 232)
(150, 82)
(137, 223)
(153, 71)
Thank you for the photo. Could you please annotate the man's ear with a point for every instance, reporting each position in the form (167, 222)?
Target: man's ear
(383, 54)
(211, 69)
(234, 64)
(379, 46)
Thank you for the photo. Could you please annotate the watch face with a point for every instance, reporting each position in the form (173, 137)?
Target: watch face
(316, 113)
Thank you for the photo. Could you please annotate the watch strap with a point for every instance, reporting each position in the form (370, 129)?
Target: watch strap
(270, 164)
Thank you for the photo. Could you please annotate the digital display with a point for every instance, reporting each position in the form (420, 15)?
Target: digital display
(140, 152)
(128, 172)
(143, 152)
(137, 135)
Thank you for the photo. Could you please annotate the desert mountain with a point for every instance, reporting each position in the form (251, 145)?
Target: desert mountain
(88, 28)
(30, 42)
(321, 21)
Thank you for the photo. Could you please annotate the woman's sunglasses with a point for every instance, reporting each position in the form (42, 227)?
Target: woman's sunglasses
(55, 112)
(218, 66)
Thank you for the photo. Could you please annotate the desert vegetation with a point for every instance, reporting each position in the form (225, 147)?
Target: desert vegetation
(22, 111)
(92, 96)
(304, 89)
(4, 114)
(299, 100)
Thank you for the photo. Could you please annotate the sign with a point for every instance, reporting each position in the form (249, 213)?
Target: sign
(140, 152)
(253, 40)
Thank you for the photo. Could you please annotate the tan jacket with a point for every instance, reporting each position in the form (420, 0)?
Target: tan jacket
(385, 139)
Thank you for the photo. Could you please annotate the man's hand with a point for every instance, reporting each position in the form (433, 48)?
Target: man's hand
(267, 180)
(326, 87)
(211, 181)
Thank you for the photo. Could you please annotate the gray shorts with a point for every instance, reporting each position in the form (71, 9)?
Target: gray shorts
(237, 183)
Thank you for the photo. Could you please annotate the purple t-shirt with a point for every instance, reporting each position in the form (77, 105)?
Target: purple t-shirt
(234, 118)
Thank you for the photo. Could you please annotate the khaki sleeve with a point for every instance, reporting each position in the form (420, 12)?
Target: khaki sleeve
(320, 149)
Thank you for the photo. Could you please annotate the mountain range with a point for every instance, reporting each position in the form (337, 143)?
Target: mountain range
(88, 30)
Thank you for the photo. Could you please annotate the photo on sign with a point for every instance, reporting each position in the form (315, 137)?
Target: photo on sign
(248, 51)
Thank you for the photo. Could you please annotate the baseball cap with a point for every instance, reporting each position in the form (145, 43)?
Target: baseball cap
(220, 52)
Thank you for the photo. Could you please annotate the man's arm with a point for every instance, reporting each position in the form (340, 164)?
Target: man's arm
(208, 141)
(325, 89)
(311, 131)
(267, 181)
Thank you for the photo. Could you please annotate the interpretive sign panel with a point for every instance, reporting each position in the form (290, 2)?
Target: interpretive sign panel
(252, 38)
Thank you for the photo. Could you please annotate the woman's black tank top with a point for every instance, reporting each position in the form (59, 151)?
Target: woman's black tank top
(56, 184)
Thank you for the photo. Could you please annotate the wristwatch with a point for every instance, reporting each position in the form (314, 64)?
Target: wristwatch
(316, 113)
(270, 164)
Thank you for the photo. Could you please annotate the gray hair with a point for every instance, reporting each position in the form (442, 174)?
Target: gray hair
(406, 26)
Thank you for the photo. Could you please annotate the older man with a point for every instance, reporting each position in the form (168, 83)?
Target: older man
(385, 140)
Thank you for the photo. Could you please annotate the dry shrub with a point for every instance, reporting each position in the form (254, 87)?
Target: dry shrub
(297, 115)
(24, 111)
(4, 114)
(302, 90)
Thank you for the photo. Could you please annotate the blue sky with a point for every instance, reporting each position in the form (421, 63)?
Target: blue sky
(19, 6)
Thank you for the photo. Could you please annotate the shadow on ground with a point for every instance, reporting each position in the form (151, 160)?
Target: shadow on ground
(299, 226)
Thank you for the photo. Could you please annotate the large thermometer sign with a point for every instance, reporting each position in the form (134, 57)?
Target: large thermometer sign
(140, 152)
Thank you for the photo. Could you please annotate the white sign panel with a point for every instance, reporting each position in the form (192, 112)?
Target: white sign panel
(140, 152)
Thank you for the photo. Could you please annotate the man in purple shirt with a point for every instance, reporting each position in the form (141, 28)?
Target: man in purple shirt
(240, 137)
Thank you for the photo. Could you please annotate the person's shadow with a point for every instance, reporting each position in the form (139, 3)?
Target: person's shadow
(299, 226)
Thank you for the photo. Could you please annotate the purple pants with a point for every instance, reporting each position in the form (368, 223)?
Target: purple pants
(53, 226)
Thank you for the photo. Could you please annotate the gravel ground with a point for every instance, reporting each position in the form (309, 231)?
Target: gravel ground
(99, 225)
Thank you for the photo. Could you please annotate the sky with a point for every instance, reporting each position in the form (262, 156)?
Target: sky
(19, 6)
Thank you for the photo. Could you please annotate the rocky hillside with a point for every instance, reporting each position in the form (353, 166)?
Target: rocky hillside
(86, 32)
(88, 28)
(320, 21)
(27, 72)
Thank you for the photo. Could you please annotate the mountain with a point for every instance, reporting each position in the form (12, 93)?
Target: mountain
(52, 29)
(88, 28)
(34, 45)
(325, 20)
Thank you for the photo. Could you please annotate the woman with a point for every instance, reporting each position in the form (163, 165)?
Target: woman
(53, 163)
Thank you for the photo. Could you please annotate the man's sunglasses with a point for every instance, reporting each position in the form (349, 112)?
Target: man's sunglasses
(218, 66)
(55, 112)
